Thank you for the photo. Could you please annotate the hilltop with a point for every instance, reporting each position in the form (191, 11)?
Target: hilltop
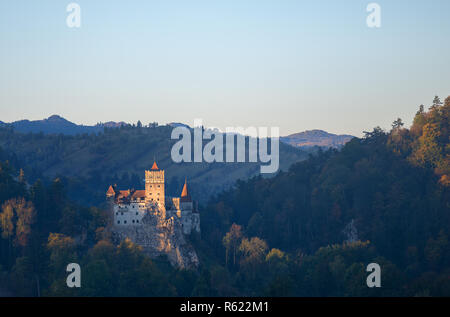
(319, 138)
(56, 124)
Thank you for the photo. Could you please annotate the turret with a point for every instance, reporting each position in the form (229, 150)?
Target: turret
(185, 198)
(110, 193)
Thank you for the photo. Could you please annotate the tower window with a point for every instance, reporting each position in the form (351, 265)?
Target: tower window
(124, 221)
(118, 222)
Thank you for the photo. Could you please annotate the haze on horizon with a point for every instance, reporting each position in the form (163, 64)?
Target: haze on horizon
(299, 65)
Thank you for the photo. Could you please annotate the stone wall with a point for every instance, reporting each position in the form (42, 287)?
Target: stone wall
(159, 236)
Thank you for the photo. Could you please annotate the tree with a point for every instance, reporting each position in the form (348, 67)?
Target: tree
(253, 251)
(26, 215)
(428, 151)
(18, 214)
(397, 124)
(62, 252)
(436, 103)
(275, 255)
(6, 221)
(277, 261)
(374, 134)
(421, 110)
(231, 241)
(7, 226)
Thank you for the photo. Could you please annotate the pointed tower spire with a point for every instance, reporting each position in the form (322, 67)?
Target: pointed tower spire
(110, 191)
(185, 197)
(154, 167)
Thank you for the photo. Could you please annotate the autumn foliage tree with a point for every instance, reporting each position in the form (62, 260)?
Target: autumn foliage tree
(431, 146)
(16, 219)
(231, 242)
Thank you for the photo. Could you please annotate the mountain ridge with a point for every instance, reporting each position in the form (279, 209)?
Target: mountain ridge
(55, 124)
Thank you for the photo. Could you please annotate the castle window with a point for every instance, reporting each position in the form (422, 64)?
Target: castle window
(133, 221)
(118, 222)
(124, 221)
(121, 213)
(137, 221)
(136, 213)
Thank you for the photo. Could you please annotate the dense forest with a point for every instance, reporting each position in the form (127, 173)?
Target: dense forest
(307, 231)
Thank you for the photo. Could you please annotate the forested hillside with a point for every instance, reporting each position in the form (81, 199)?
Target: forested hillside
(388, 190)
(89, 163)
(308, 231)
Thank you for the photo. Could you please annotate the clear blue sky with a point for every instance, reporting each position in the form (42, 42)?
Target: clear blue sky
(294, 64)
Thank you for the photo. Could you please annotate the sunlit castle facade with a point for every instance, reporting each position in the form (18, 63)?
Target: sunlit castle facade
(130, 206)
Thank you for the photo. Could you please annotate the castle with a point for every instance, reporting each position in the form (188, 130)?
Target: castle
(130, 206)
(154, 221)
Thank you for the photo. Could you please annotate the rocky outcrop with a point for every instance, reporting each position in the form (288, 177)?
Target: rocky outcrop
(160, 237)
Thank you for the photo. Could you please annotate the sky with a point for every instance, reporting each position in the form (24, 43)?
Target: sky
(296, 65)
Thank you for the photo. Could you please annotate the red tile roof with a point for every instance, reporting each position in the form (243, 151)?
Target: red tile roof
(110, 191)
(124, 193)
(138, 194)
(185, 197)
(155, 167)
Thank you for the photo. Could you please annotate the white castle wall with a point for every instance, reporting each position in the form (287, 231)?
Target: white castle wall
(132, 214)
(128, 215)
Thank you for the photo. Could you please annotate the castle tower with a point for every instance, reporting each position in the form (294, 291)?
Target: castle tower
(185, 198)
(154, 186)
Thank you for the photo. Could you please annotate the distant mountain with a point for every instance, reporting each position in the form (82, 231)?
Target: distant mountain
(53, 125)
(58, 125)
(311, 138)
